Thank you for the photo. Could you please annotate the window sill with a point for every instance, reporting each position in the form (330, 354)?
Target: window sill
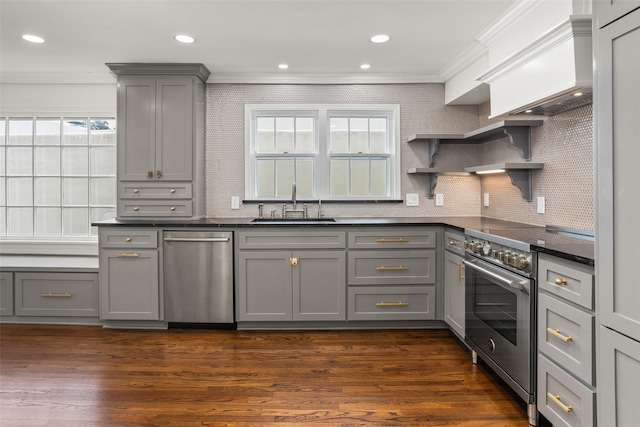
(40, 247)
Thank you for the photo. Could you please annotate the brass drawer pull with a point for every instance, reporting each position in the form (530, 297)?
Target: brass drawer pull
(173, 190)
(393, 268)
(460, 266)
(392, 304)
(136, 191)
(561, 281)
(55, 295)
(125, 254)
(128, 239)
(452, 243)
(173, 208)
(392, 240)
(556, 333)
(136, 209)
(555, 398)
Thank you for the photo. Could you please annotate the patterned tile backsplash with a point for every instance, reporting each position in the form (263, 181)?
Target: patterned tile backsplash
(564, 143)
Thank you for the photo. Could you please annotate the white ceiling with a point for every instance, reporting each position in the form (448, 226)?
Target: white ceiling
(323, 41)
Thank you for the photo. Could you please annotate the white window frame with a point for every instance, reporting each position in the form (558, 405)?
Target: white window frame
(322, 112)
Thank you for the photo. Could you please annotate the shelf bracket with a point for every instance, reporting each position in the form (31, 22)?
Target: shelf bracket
(521, 178)
(434, 143)
(520, 137)
(433, 181)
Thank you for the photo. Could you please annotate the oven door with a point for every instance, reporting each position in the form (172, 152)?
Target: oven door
(498, 321)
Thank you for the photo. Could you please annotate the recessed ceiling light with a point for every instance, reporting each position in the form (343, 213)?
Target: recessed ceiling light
(33, 39)
(283, 66)
(365, 66)
(183, 38)
(380, 38)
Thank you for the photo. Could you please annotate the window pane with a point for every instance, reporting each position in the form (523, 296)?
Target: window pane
(379, 179)
(3, 131)
(378, 135)
(99, 214)
(284, 177)
(3, 221)
(75, 132)
(74, 161)
(47, 191)
(359, 134)
(103, 160)
(304, 177)
(20, 221)
(20, 132)
(102, 192)
(284, 134)
(265, 175)
(20, 191)
(339, 177)
(339, 134)
(265, 127)
(19, 161)
(47, 161)
(102, 131)
(305, 141)
(75, 191)
(48, 222)
(3, 171)
(47, 132)
(359, 177)
(3, 195)
(75, 222)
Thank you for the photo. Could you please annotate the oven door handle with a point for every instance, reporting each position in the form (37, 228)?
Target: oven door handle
(513, 284)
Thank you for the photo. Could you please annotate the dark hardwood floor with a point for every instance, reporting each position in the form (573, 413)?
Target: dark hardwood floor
(89, 376)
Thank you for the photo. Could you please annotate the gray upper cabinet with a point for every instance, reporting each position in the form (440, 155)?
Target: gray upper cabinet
(616, 109)
(161, 110)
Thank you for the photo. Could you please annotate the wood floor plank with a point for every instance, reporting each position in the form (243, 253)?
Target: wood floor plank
(88, 376)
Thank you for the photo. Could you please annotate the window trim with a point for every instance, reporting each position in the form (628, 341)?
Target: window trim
(323, 156)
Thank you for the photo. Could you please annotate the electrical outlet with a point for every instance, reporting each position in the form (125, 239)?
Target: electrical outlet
(235, 202)
(541, 205)
(412, 199)
(439, 199)
(486, 199)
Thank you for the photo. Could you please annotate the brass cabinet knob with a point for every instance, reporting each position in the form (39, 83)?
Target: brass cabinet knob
(135, 190)
(150, 174)
(158, 173)
(135, 209)
(128, 239)
(173, 190)
(561, 281)
(173, 208)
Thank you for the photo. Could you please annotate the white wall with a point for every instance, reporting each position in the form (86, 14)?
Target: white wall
(35, 99)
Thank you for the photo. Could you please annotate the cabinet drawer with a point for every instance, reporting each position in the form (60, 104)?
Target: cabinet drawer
(562, 399)
(155, 190)
(566, 279)
(454, 242)
(126, 237)
(392, 267)
(392, 303)
(571, 346)
(300, 239)
(56, 294)
(406, 237)
(154, 208)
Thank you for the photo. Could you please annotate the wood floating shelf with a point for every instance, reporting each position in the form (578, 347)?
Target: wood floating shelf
(519, 134)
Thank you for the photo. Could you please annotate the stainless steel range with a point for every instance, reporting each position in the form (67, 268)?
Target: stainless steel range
(500, 325)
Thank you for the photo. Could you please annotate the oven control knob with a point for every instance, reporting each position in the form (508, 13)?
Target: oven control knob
(491, 345)
(498, 255)
(504, 257)
(486, 248)
(522, 263)
(513, 260)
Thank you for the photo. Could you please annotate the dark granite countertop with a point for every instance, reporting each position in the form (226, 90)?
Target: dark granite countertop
(539, 238)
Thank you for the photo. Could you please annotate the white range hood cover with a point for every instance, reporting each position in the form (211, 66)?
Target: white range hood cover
(554, 66)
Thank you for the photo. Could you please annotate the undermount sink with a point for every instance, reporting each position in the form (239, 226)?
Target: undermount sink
(294, 220)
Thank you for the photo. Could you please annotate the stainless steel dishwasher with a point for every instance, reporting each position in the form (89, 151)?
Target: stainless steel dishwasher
(198, 277)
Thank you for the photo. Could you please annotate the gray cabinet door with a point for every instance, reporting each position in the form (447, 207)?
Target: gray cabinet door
(264, 286)
(606, 11)
(454, 296)
(129, 284)
(136, 128)
(174, 129)
(619, 362)
(617, 87)
(6, 294)
(319, 285)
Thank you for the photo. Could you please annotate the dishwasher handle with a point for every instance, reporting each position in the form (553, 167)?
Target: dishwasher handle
(196, 239)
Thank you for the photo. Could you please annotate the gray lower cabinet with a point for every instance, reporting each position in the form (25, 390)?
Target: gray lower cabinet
(566, 342)
(6, 293)
(298, 283)
(392, 274)
(454, 294)
(129, 274)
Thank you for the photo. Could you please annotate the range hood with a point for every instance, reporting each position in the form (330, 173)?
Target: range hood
(543, 77)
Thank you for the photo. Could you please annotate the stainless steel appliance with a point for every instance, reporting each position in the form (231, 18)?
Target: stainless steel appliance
(500, 292)
(198, 277)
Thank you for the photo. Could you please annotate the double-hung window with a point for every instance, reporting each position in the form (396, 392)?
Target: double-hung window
(330, 152)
